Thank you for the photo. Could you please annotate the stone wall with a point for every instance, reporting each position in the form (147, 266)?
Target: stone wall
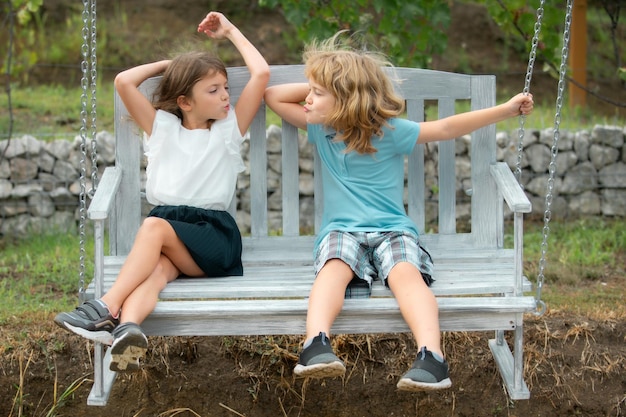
(39, 181)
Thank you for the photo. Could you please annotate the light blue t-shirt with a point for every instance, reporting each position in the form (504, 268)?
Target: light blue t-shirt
(364, 192)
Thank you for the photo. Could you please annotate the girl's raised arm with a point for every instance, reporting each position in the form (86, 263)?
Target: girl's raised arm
(127, 82)
(216, 26)
(286, 101)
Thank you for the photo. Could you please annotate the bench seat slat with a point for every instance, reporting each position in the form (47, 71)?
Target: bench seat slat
(300, 250)
(273, 286)
(374, 315)
(465, 276)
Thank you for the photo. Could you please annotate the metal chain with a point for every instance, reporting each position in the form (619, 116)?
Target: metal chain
(84, 82)
(541, 307)
(94, 76)
(526, 90)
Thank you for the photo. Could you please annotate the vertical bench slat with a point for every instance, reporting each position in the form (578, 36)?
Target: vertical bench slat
(447, 175)
(415, 175)
(258, 176)
(290, 180)
(483, 154)
(126, 217)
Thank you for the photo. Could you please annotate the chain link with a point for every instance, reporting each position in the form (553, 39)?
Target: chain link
(553, 154)
(526, 90)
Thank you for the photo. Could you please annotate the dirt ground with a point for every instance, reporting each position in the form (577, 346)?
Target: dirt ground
(574, 366)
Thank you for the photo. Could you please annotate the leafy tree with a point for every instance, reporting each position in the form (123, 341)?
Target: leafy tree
(22, 18)
(18, 14)
(409, 32)
(517, 19)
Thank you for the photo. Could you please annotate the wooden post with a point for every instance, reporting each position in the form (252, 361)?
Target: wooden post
(578, 54)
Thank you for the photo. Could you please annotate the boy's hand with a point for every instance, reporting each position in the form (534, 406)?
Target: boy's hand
(522, 104)
(215, 25)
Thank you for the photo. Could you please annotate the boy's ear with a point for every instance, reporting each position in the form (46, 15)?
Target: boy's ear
(183, 103)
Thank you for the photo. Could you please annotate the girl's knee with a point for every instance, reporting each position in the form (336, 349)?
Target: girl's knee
(153, 227)
(153, 223)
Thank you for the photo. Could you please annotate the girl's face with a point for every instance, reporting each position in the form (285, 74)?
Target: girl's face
(318, 103)
(210, 100)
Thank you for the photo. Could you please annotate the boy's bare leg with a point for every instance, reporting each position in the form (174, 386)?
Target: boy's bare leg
(418, 305)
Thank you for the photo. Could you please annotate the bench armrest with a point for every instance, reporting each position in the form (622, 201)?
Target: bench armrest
(510, 189)
(105, 194)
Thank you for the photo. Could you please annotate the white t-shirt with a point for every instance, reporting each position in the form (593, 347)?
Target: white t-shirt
(193, 167)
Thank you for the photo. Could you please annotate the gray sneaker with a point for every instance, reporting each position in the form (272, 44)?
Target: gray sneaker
(129, 345)
(318, 360)
(427, 373)
(91, 320)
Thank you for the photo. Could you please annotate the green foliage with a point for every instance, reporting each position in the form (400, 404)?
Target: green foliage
(621, 72)
(517, 20)
(408, 32)
(24, 27)
(25, 9)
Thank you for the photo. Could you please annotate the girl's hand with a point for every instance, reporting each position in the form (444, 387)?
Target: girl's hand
(521, 104)
(215, 25)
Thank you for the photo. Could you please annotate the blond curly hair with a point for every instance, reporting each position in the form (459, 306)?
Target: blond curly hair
(363, 90)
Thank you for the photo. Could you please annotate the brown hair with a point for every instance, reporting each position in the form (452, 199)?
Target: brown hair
(181, 75)
(364, 93)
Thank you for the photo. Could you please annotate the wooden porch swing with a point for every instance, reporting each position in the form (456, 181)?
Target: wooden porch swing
(479, 284)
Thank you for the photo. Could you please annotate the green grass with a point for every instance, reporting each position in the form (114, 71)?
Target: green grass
(40, 274)
(584, 268)
(591, 246)
(53, 111)
(585, 263)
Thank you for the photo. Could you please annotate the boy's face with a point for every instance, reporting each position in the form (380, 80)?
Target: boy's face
(318, 104)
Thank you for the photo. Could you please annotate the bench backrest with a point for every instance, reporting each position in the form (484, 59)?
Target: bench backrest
(420, 88)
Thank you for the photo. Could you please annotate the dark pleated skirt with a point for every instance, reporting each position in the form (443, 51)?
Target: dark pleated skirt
(211, 236)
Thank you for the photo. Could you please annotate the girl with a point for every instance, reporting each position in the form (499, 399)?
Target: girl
(351, 114)
(194, 135)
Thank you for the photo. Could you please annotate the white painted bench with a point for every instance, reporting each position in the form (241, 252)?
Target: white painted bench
(479, 284)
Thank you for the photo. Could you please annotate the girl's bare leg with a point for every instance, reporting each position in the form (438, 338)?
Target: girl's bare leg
(140, 303)
(155, 239)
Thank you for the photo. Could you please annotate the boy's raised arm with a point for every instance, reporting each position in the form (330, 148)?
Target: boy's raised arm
(464, 123)
(286, 101)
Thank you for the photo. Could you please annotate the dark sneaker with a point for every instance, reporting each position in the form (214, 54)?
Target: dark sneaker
(129, 345)
(427, 373)
(91, 320)
(318, 360)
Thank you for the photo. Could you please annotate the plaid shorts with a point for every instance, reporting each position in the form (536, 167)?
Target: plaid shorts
(372, 255)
